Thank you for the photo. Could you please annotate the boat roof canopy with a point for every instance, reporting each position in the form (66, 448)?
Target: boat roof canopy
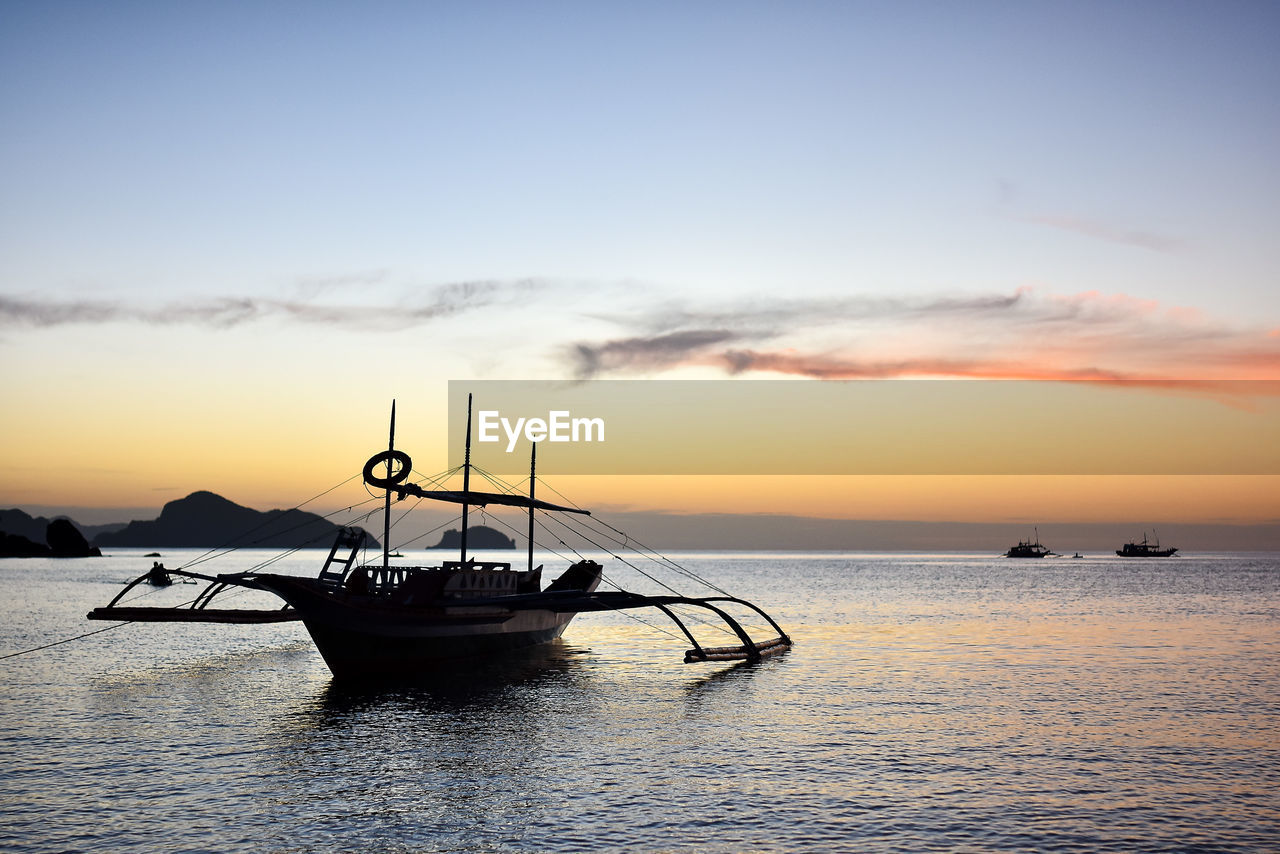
(480, 499)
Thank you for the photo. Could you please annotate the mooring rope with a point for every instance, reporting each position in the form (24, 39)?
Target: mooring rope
(65, 640)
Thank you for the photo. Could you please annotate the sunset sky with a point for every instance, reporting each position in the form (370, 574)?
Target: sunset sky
(232, 233)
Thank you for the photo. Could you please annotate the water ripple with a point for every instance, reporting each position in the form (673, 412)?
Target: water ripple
(937, 703)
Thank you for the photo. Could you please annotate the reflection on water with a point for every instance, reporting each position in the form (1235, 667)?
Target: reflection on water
(462, 742)
(730, 673)
(494, 694)
(538, 744)
(930, 703)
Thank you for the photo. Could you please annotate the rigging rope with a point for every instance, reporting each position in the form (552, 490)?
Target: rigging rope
(603, 577)
(626, 541)
(230, 544)
(569, 523)
(697, 618)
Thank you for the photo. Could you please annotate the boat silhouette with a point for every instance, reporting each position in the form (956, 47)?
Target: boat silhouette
(377, 620)
(1027, 548)
(1143, 548)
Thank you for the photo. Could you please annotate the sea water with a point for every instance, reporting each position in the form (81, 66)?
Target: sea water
(935, 702)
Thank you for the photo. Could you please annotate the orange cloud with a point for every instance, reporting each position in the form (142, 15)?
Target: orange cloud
(835, 368)
(1089, 336)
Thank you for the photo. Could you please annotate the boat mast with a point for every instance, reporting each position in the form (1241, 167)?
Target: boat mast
(386, 509)
(533, 465)
(466, 483)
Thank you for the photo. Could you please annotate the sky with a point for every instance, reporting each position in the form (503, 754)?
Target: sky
(232, 233)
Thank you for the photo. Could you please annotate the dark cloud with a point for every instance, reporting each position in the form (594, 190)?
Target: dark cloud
(419, 306)
(645, 353)
(761, 318)
(221, 313)
(32, 312)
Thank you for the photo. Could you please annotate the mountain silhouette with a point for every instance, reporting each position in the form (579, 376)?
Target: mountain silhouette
(65, 540)
(61, 535)
(35, 528)
(206, 520)
(18, 523)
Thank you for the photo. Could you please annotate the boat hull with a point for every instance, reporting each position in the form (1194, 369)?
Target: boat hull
(365, 637)
(355, 656)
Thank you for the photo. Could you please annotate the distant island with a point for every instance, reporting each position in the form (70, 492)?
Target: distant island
(206, 520)
(478, 537)
(61, 537)
(36, 528)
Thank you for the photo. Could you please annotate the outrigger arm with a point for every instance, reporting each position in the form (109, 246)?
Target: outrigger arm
(622, 600)
(561, 601)
(198, 610)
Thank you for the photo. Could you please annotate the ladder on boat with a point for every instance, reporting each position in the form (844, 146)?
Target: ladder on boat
(348, 538)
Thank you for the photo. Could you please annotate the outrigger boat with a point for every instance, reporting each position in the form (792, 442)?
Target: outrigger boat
(379, 620)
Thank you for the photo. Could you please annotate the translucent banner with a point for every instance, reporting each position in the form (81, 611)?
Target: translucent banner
(935, 427)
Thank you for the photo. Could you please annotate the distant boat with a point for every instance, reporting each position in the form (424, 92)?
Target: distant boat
(1145, 549)
(158, 576)
(1027, 548)
(1077, 554)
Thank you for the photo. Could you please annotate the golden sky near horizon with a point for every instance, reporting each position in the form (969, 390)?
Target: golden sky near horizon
(263, 460)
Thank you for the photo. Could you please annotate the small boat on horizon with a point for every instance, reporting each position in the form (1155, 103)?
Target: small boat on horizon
(1145, 549)
(376, 620)
(1027, 548)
